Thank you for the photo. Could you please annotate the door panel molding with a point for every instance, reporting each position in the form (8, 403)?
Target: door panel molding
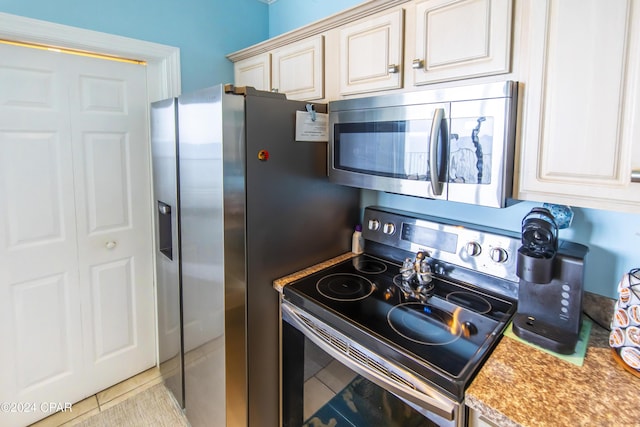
(112, 286)
(107, 174)
(45, 299)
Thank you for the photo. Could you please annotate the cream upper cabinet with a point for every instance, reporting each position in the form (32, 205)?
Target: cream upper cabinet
(370, 54)
(254, 71)
(298, 69)
(456, 39)
(580, 123)
(383, 45)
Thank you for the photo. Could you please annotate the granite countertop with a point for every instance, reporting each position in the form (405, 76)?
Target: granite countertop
(278, 284)
(523, 386)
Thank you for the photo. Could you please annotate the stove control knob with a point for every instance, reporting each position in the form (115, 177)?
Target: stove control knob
(468, 329)
(389, 228)
(499, 255)
(473, 248)
(374, 225)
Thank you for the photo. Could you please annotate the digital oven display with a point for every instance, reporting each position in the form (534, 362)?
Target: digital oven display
(436, 239)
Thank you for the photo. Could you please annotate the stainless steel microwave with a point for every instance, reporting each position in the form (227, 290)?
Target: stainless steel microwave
(452, 144)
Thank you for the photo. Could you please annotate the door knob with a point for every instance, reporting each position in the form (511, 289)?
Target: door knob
(110, 244)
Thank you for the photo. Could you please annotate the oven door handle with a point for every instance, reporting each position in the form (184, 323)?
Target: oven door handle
(438, 131)
(417, 398)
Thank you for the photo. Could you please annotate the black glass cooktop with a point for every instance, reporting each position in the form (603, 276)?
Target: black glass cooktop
(449, 332)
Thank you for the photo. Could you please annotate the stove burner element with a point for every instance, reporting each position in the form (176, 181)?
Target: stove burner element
(471, 301)
(370, 266)
(345, 287)
(424, 324)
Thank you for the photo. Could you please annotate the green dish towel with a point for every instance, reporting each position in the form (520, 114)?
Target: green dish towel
(577, 358)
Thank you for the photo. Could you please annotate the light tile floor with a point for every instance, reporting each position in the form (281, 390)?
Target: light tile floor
(322, 383)
(103, 400)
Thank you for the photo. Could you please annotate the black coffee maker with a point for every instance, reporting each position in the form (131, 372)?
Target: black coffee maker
(551, 285)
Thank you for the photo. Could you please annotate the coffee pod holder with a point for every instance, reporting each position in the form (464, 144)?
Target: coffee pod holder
(624, 338)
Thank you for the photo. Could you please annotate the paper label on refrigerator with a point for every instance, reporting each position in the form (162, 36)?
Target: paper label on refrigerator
(308, 129)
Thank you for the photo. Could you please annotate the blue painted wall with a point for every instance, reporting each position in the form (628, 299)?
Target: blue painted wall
(287, 15)
(204, 30)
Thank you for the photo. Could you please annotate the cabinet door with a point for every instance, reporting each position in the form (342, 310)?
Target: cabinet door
(254, 71)
(297, 69)
(456, 39)
(476, 419)
(581, 117)
(371, 54)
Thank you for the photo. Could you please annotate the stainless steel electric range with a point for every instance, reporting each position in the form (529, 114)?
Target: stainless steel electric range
(394, 336)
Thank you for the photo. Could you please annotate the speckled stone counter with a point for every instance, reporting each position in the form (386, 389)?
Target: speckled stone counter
(282, 282)
(522, 386)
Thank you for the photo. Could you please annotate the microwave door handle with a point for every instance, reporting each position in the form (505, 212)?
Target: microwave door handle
(438, 129)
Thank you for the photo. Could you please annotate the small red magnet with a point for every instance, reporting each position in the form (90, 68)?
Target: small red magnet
(263, 155)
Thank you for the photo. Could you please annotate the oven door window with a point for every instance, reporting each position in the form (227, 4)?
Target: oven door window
(394, 149)
(318, 390)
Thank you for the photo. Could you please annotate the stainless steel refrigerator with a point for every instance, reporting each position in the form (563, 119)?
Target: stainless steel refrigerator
(240, 203)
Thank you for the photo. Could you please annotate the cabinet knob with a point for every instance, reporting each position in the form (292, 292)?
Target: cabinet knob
(635, 176)
(110, 244)
(417, 64)
(393, 69)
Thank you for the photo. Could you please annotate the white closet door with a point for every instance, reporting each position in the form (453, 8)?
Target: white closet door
(76, 295)
(39, 288)
(109, 126)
